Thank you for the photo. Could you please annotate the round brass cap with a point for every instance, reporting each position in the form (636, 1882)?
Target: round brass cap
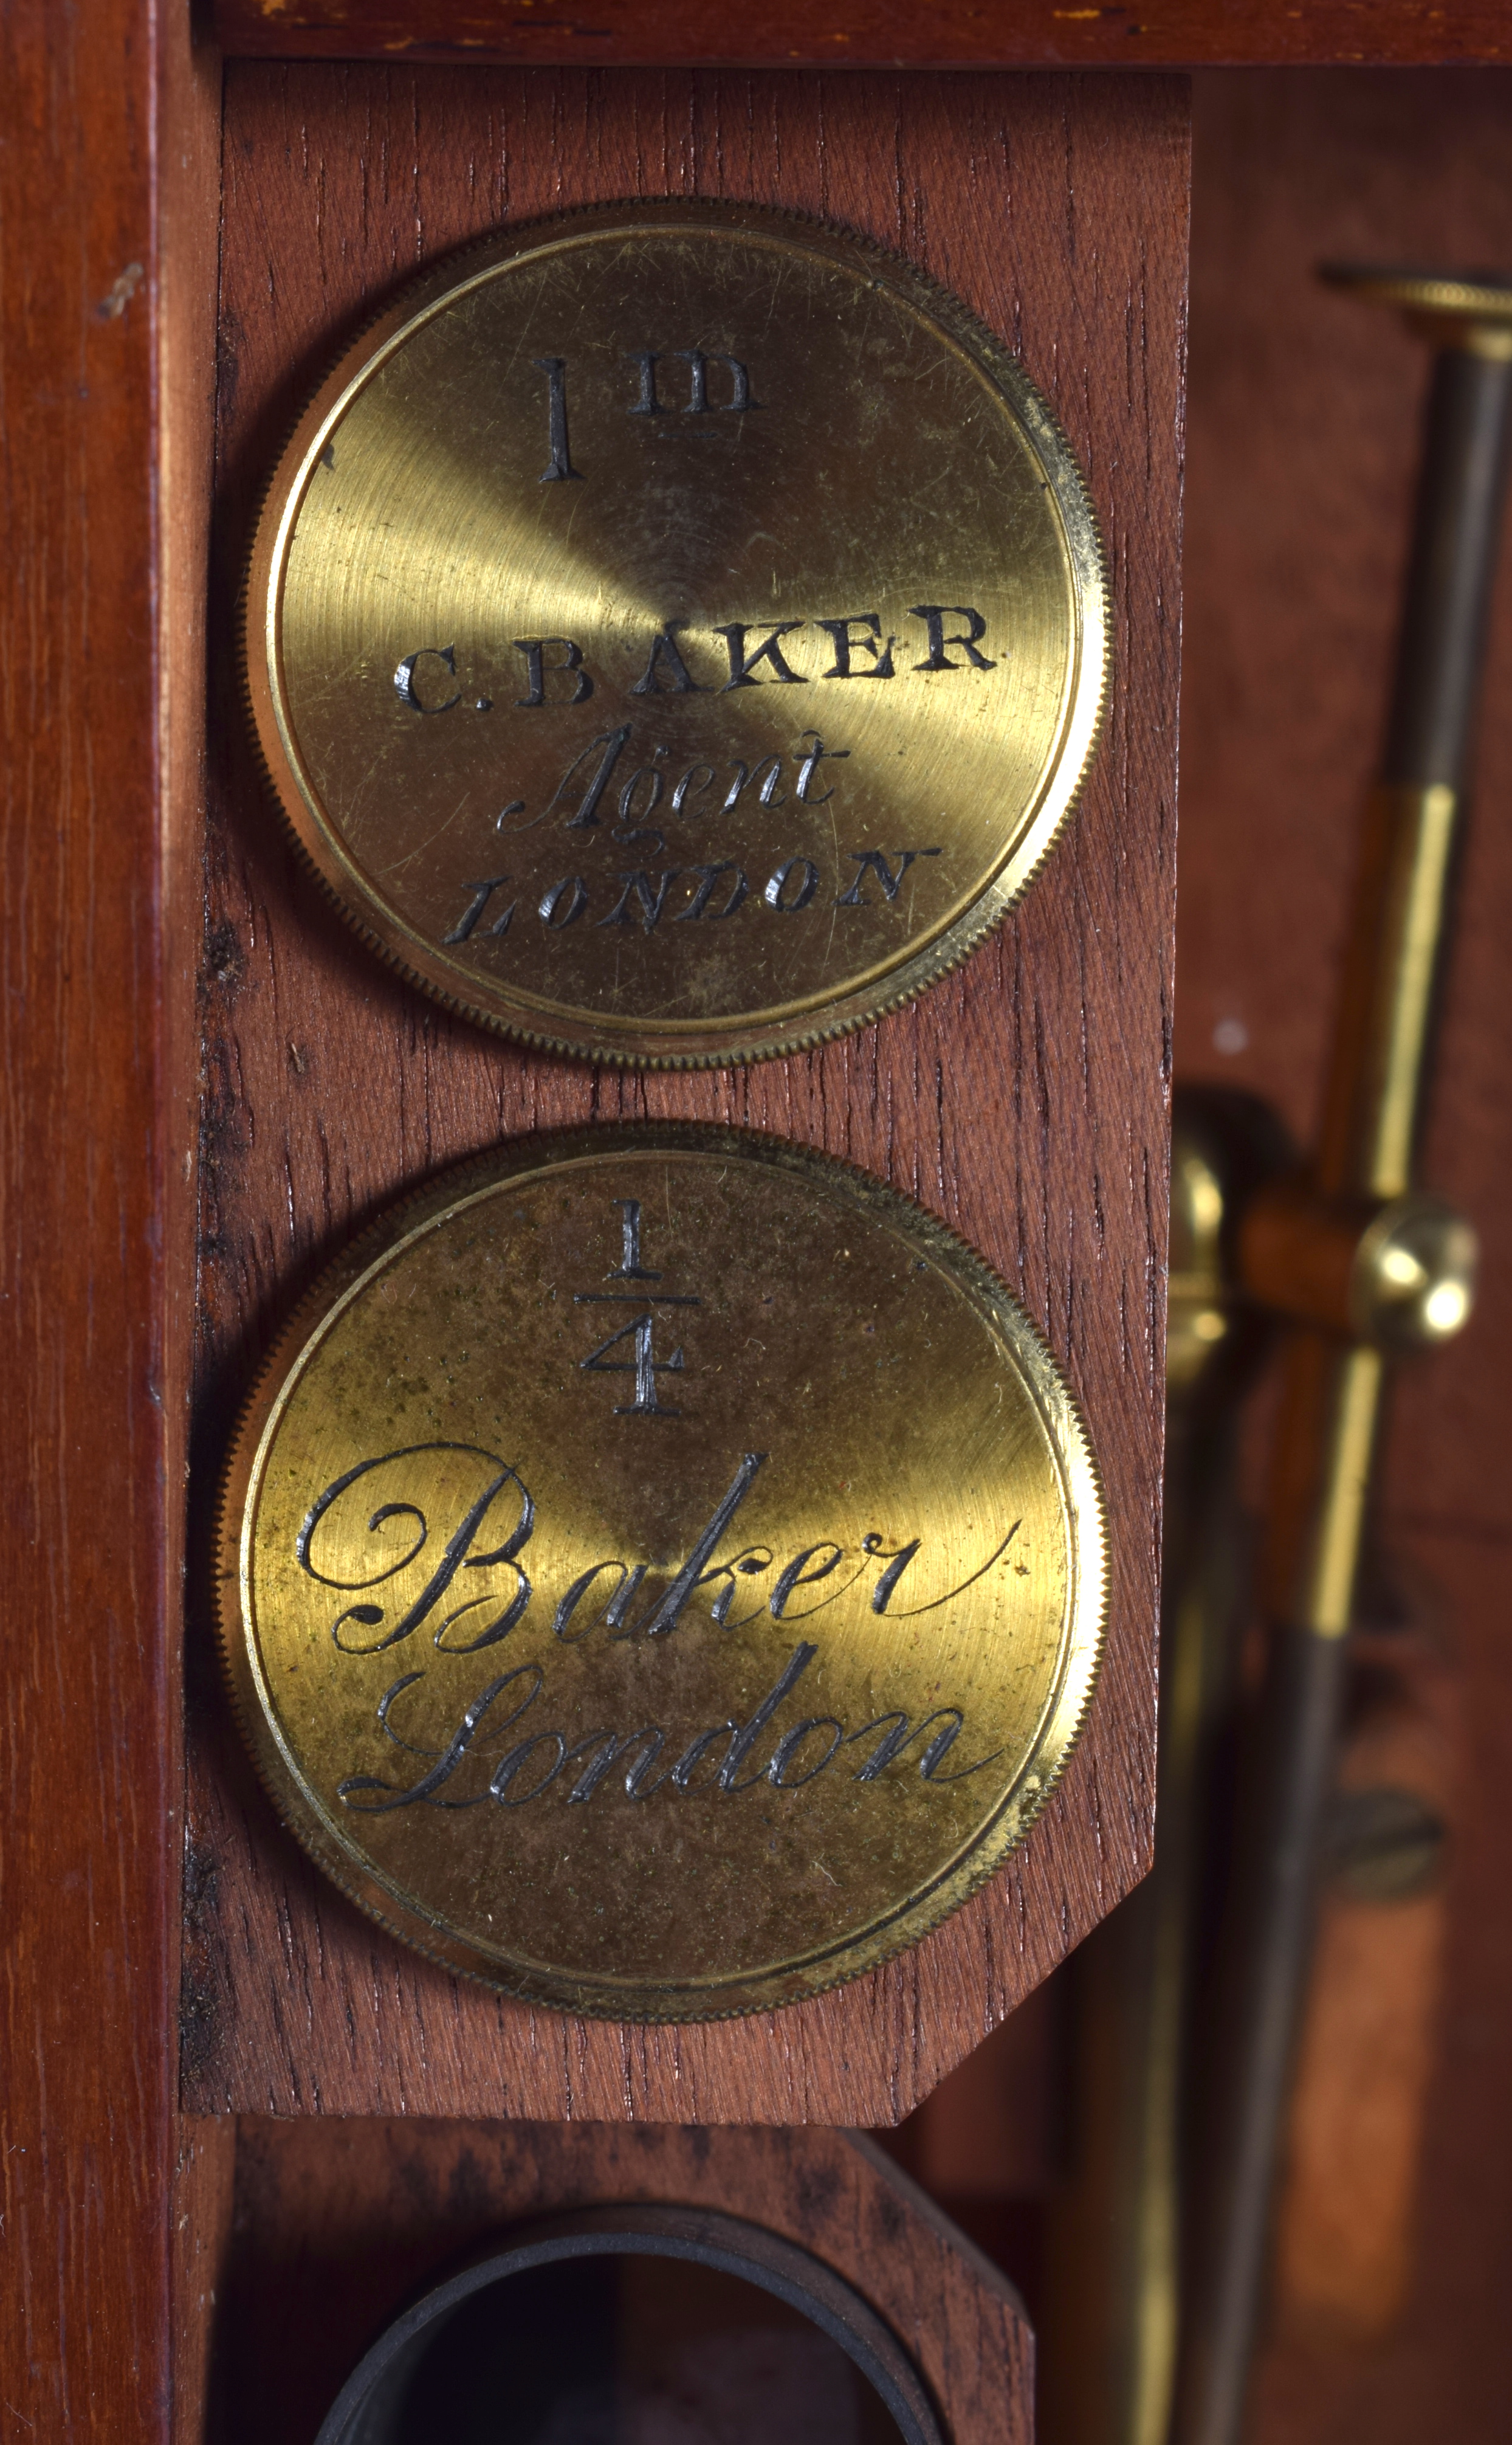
(675, 633)
(663, 1572)
(1413, 1283)
(1478, 297)
(1467, 311)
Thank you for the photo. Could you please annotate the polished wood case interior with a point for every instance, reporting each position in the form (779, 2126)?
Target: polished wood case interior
(1023, 1100)
(362, 2215)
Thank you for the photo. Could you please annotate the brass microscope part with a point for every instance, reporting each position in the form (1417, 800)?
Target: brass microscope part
(676, 633)
(663, 1572)
(1364, 1268)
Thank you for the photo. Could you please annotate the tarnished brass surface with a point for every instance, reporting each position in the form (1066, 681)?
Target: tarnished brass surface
(1198, 1321)
(676, 633)
(1371, 1121)
(1469, 310)
(663, 1572)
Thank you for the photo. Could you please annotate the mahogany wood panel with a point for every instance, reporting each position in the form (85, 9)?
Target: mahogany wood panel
(104, 399)
(348, 2220)
(1024, 1099)
(872, 33)
(204, 2202)
(1305, 411)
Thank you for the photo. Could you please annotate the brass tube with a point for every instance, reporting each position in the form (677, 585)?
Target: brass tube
(1330, 1405)
(1111, 2335)
(1371, 1122)
(1333, 1391)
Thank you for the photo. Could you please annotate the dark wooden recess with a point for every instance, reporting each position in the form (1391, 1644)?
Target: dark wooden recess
(1023, 1100)
(872, 33)
(353, 2218)
(1304, 438)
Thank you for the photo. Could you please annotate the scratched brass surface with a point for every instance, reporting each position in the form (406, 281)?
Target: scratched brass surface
(676, 633)
(663, 1572)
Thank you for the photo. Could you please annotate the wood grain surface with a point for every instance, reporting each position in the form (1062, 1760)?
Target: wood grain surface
(101, 706)
(1023, 1100)
(355, 2217)
(872, 33)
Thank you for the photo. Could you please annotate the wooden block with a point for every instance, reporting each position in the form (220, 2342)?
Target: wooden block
(1024, 1099)
(104, 365)
(359, 2216)
(873, 33)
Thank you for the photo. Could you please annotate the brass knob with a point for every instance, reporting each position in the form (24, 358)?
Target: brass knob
(1396, 1272)
(1412, 1284)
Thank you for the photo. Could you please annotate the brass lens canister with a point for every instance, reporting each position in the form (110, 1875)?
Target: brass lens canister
(663, 1572)
(676, 633)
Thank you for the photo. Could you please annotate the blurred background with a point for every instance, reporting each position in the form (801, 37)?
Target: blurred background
(1385, 2312)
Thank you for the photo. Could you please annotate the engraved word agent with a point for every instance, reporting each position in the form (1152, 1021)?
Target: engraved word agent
(675, 633)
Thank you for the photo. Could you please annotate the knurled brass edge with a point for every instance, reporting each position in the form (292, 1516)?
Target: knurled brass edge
(1474, 297)
(1093, 591)
(1085, 1646)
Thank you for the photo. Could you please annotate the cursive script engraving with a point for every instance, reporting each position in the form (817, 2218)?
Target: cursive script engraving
(813, 757)
(350, 1544)
(500, 1489)
(457, 1555)
(533, 1765)
(616, 785)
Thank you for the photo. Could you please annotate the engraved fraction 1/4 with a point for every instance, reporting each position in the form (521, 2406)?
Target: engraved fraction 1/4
(663, 1572)
(676, 633)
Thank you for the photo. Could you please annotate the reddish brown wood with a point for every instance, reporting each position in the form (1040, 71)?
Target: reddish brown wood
(1303, 428)
(1347, 2213)
(1024, 1099)
(349, 2219)
(204, 2202)
(871, 33)
(102, 705)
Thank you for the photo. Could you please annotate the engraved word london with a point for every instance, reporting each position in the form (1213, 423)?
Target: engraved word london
(677, 697)
(663, 1571)
(725, 1758)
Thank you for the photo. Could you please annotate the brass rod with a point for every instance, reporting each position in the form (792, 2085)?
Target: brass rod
(1371, 1115)
(1113, 2326)
(1330, 1411)
(1333, 1391)
(1441, 641)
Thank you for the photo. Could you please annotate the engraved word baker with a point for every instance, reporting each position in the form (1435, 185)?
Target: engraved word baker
(664, 1571)
(674, 633)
